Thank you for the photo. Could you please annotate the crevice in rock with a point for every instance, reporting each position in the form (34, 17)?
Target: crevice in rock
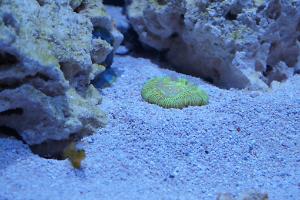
(131, 40)
(268, 70)
(269, 75)
(108, 60)
(114, 2)
(209, 80)
(13, 84)
(75, 75)
(257, 21)
(234, 11)
(99, 32)
(298, 30)
(16, 111)
(10, 132)
(41, 76)
(10, 21)
(231, 16)
(260, 8)
(216, 74)
(104, 34)
(162, 2)
(69, 69)
(41, 2)
(54, 149)
(298, 26)
(81, 7)
(7, 59)
(274, 9)
(174, 36)
(51, 149)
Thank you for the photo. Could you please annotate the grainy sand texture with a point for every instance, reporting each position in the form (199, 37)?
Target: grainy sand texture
(241, 141)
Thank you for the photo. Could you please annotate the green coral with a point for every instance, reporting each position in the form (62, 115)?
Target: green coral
(169, 93)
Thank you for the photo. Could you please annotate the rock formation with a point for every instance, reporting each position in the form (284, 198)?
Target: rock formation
(232, 43)
(49, 53)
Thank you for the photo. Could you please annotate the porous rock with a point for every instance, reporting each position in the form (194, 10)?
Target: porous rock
(46, 51)
(119, 18)
(232, 43)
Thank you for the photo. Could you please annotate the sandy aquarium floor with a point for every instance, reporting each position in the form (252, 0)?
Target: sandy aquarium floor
(241, 141)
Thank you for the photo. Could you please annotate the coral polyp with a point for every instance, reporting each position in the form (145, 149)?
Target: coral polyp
(169, 93)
